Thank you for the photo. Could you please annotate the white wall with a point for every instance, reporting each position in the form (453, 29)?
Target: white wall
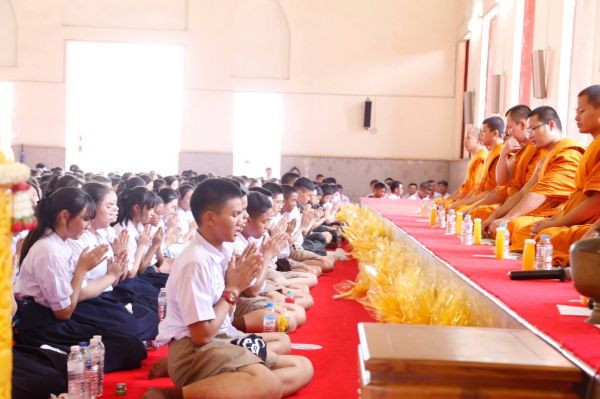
(337, 53)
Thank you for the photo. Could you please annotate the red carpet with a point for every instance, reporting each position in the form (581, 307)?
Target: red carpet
(330, 323)
(535, 301)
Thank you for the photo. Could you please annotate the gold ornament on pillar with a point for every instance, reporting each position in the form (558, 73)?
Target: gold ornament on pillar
(11, 174)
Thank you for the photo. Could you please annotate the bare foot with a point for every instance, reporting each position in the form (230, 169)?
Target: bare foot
(159, 369)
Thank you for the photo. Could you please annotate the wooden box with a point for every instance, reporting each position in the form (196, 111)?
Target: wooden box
(412, 361)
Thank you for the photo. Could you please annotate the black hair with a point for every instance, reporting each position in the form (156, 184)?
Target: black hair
(546, 114)
(592, 94)
(156, 199)
(495, 123)
(274, 188)
(328, 189)
(40, 165)
(168, 194)
(329, 180)
(140, 196)
(413, 184)
(394, 185)
(101, 179)
(170, 179)
(238, 182)
(288, 190)
(319, 191)
(71, 199)
(289, 178)
(211, 195)
(96, 191)
(65, 181)
(146, 178)
(379, 185)
(158, 184)
(426, 186)
(373, 182)
(184, 189)
(304, 183)
(443, 182)
(261, 190)
(319, 175)
(130, 183)
(518, 112)
(258, 204)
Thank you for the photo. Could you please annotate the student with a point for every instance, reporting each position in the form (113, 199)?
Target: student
(204, 358)
(315, 240)
(372, 188)
(290, 178)
(379, 190)
(319, 178)
(424, 192)
(186, 219)
(395, 190)
(410, 190)
(172, 182)
(173, 241)
(50, 281)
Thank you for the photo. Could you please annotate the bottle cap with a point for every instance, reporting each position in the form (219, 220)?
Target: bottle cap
(530, 241)
(459, 213)
(289, 292)
(467, 217)
(270, 304)
(85, 344)
(503, 225)
(545, 236)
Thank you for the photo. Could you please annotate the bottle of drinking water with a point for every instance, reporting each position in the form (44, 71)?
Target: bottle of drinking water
(543, 253)
(506, 240)
(93, 353)
(451, 222)
(75, 372)
(270, 319)
(467, 232)
(100, 353)
(441, 217)
(162, 304)
(87, 365)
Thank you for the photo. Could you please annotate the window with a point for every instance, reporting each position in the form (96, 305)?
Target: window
(124, 106)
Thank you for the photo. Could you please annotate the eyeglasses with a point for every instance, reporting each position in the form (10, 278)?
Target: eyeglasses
(529, 132)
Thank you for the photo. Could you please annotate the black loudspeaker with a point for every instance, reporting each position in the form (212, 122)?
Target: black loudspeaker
(367, 120)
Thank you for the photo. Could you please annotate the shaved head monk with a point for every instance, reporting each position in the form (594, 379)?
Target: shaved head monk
(492, 135)
(552, 182)
(516, 164)
(474, 169)
(583, 205)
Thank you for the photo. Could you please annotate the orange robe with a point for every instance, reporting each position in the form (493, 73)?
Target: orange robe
(587, 181)
(525, 161)
(474, 173)
(488, 178)
(557, 181)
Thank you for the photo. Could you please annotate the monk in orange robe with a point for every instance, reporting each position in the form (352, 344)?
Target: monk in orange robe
(492, 134)
(516, 164)
(583, 205)
(553, 180)
(474, 168)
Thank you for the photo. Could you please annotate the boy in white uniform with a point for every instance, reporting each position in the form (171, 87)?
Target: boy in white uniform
(202, 291)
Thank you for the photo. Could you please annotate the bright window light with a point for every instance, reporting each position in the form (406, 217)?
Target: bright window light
(6, 119)
(124, 106)
(257, 131)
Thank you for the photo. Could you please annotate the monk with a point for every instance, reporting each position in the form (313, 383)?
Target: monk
(474, 168)
(552, 181)
(492, 135)
(583, 206)
(516, 164)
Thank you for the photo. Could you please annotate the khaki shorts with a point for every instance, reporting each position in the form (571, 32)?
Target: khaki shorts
(301, 254)
(246, 305)
(188, 363)
(295, 264)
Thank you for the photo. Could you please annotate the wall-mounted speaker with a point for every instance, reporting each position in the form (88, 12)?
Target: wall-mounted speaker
(538, 69)
(496, 93)
(468, 107)
(367, 115)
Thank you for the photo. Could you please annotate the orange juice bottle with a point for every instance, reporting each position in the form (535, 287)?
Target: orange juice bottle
(477, 231)
(432, 216)
(500, 244)
(459, 223)
(529, 255)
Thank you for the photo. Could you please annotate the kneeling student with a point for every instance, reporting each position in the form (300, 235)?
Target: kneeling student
(205, 358)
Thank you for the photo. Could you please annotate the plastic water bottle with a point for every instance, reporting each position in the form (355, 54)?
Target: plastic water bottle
(506, 240)
(467, 232)
(441, 217)
(162, 304)
(543, 253)
(289, 297)
(270, 319)
(75, 372)
(94, 354)
(451, 222)
(100, 354)
(87, 365)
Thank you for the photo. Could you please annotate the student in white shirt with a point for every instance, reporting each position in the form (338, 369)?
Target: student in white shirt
(51, 280)
(423, 193)
(201, 295)
(411, 190)
(395, 190)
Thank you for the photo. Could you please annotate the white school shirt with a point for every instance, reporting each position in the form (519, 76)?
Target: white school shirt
(92, 240)
(392, 196)
(46, 273)
(134, 233)
(195, 285)
(295, 214)
(185, 219)
(415, 197)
